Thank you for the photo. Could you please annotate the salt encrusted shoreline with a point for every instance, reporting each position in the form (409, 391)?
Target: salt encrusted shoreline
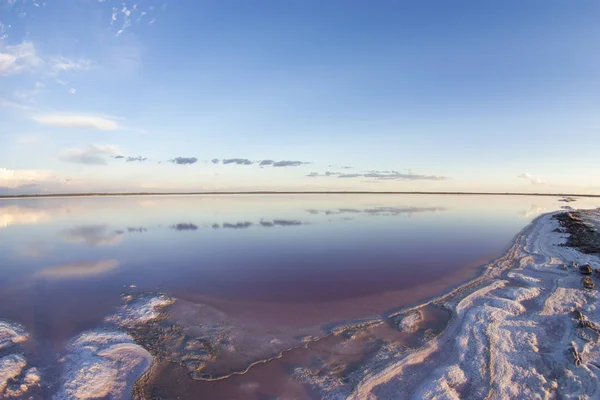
(515, 331)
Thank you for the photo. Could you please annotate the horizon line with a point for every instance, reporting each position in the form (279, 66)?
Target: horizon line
(272, 192)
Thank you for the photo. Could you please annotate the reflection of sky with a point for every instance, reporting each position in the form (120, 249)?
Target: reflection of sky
(14, 215)
(251, 245)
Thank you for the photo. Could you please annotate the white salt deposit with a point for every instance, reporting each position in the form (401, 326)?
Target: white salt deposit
(140, 311)
(10, 367)
(20, 387)
(15, 379)
(107, 363)
(11, 333)
(32, 377)
(102, 364)
(410, 322)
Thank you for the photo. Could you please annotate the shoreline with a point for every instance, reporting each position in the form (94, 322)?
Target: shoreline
(494, 338)
(336, 335)
(267, 192)
(510, 330)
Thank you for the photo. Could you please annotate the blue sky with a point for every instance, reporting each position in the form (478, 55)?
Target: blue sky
(339, 95)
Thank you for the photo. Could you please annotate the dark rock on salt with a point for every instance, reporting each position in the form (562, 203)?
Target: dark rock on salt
(585, 269)
(582, 235)
(587, 282)
(576, 355)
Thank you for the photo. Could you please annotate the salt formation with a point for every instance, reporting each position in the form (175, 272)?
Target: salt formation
(140, 311)
(16, 379)
(514, 336)
(106, 363)
(410, 322)
(102, 364)
(11, 334)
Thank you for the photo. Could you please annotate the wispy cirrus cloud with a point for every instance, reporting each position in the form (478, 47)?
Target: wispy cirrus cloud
(81, 121)
(65, 64)
(403, 176)
(24, 57)
(94, 154)
(18, 58)
(128, 13)
(380, 175)
(535, 180)
(28, 140)
(11, 104)
(262, 163)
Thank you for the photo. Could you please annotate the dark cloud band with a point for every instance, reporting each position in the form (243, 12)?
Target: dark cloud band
(238, 161)
(184, 160)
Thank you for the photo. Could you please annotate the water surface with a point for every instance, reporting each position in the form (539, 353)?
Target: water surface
(274, 261)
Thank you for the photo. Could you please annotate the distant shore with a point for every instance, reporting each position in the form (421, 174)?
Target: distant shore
(21, 196)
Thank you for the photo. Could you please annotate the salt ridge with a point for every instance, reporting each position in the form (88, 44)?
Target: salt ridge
(511, 334)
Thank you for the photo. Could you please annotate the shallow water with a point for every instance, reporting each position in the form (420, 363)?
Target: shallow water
(277, 267)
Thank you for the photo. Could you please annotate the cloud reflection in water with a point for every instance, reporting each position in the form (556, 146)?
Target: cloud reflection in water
(91, 235)
(78, 269)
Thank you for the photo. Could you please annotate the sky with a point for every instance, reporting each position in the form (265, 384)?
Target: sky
(174, 95)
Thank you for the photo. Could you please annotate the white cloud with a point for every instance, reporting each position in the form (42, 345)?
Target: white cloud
(24, 57)
(28, 139)
(78, 121)
(11, 104)
(59, 64)
(12, 179)
(531, 178)
(72, 91)
(129, 13)
(94, 154)
(18, 58)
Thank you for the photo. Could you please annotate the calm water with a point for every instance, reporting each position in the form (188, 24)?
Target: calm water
(72, 257)
(292, 261)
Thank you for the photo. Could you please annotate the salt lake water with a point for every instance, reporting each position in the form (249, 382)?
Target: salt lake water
(281, 267)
